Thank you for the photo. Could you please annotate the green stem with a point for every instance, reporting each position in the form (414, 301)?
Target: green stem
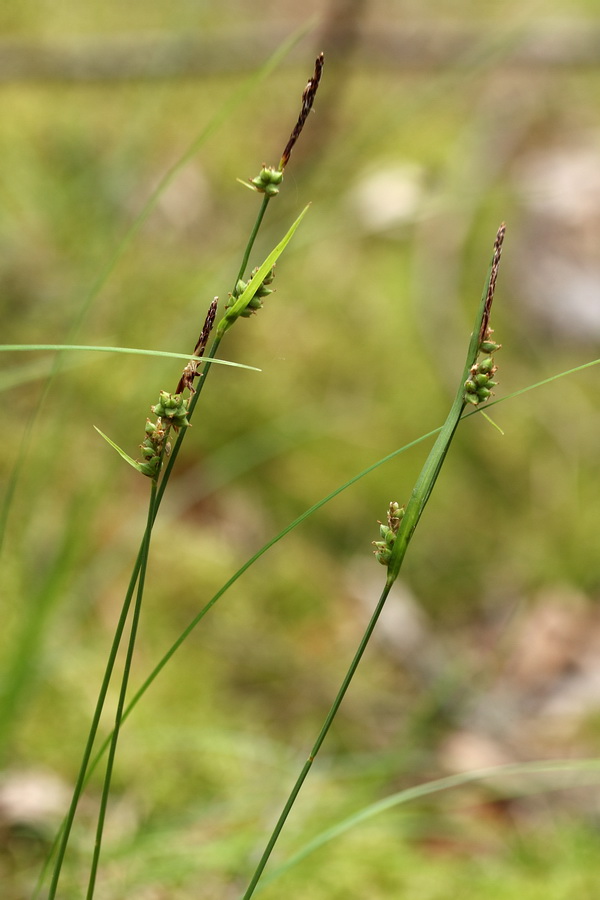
(420, 495)
(212, 353)
(81, 777)
(252, 238)
(317, 745)
(145, 548)
(424, 485)
(418, 500)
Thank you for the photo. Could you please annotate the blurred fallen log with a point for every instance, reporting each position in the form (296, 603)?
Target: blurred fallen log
(416, 47)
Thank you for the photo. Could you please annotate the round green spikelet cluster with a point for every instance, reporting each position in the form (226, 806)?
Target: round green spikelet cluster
(267, 181)
(263, 291)
(171, 411)
(479, 384)
(151, 448)
(173, 408)
(383, 548)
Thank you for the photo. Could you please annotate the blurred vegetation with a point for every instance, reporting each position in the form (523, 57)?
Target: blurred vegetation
(410, 171)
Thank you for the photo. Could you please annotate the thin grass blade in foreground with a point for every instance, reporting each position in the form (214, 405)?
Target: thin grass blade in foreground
(134, 351)
(543, 767)
(474, 388)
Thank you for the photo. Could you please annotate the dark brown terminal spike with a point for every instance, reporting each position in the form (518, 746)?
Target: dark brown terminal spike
(191, 370)
(206, 328)
(483, 331)
(308, 98)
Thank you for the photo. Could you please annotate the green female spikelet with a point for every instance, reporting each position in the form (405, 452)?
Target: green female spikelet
(256, 303)
(479, 384)
(171, 411)
(383, 548)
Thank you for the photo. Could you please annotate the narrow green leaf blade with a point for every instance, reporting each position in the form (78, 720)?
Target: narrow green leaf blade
(136, 351)
(122, 453)
(583, 766)
(246, 296)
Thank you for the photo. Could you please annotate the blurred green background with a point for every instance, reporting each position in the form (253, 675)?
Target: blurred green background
(433, 124)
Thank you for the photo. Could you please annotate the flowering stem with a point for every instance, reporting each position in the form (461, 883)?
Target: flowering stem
(317, 745)
(138, 568)
(81, 776)
(252, 238)
(419, 497)
(144, 550)
(267, 182)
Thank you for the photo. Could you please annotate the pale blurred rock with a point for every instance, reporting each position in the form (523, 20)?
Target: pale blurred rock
(549, 642)
(464, 751)
(402, 625)
(32, 796)
(387, 197)
(556, 252)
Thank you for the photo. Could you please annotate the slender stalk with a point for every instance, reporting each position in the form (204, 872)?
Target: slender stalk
(81, 777)
(265, 182)
(418, 500)
(252, 238)
(123, 691)
(153, 510)
(212, 353)
(317, 745)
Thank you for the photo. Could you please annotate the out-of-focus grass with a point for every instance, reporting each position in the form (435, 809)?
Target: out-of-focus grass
(359, 349)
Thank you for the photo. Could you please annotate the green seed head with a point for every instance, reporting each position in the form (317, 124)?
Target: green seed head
(268, 175)
(267, 180)
(489, 347)
(252, 307)
(150, 468)
(486, 365)
(382, 553)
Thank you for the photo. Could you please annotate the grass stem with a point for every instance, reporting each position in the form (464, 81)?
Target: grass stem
(319, 741)
(81, 776)
(145, 548)
(139, 566)
(418, 500)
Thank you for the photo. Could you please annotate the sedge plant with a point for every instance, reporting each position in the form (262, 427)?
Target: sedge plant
(164, 435)
(474, 388)
(381, 546)
(168, 426)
